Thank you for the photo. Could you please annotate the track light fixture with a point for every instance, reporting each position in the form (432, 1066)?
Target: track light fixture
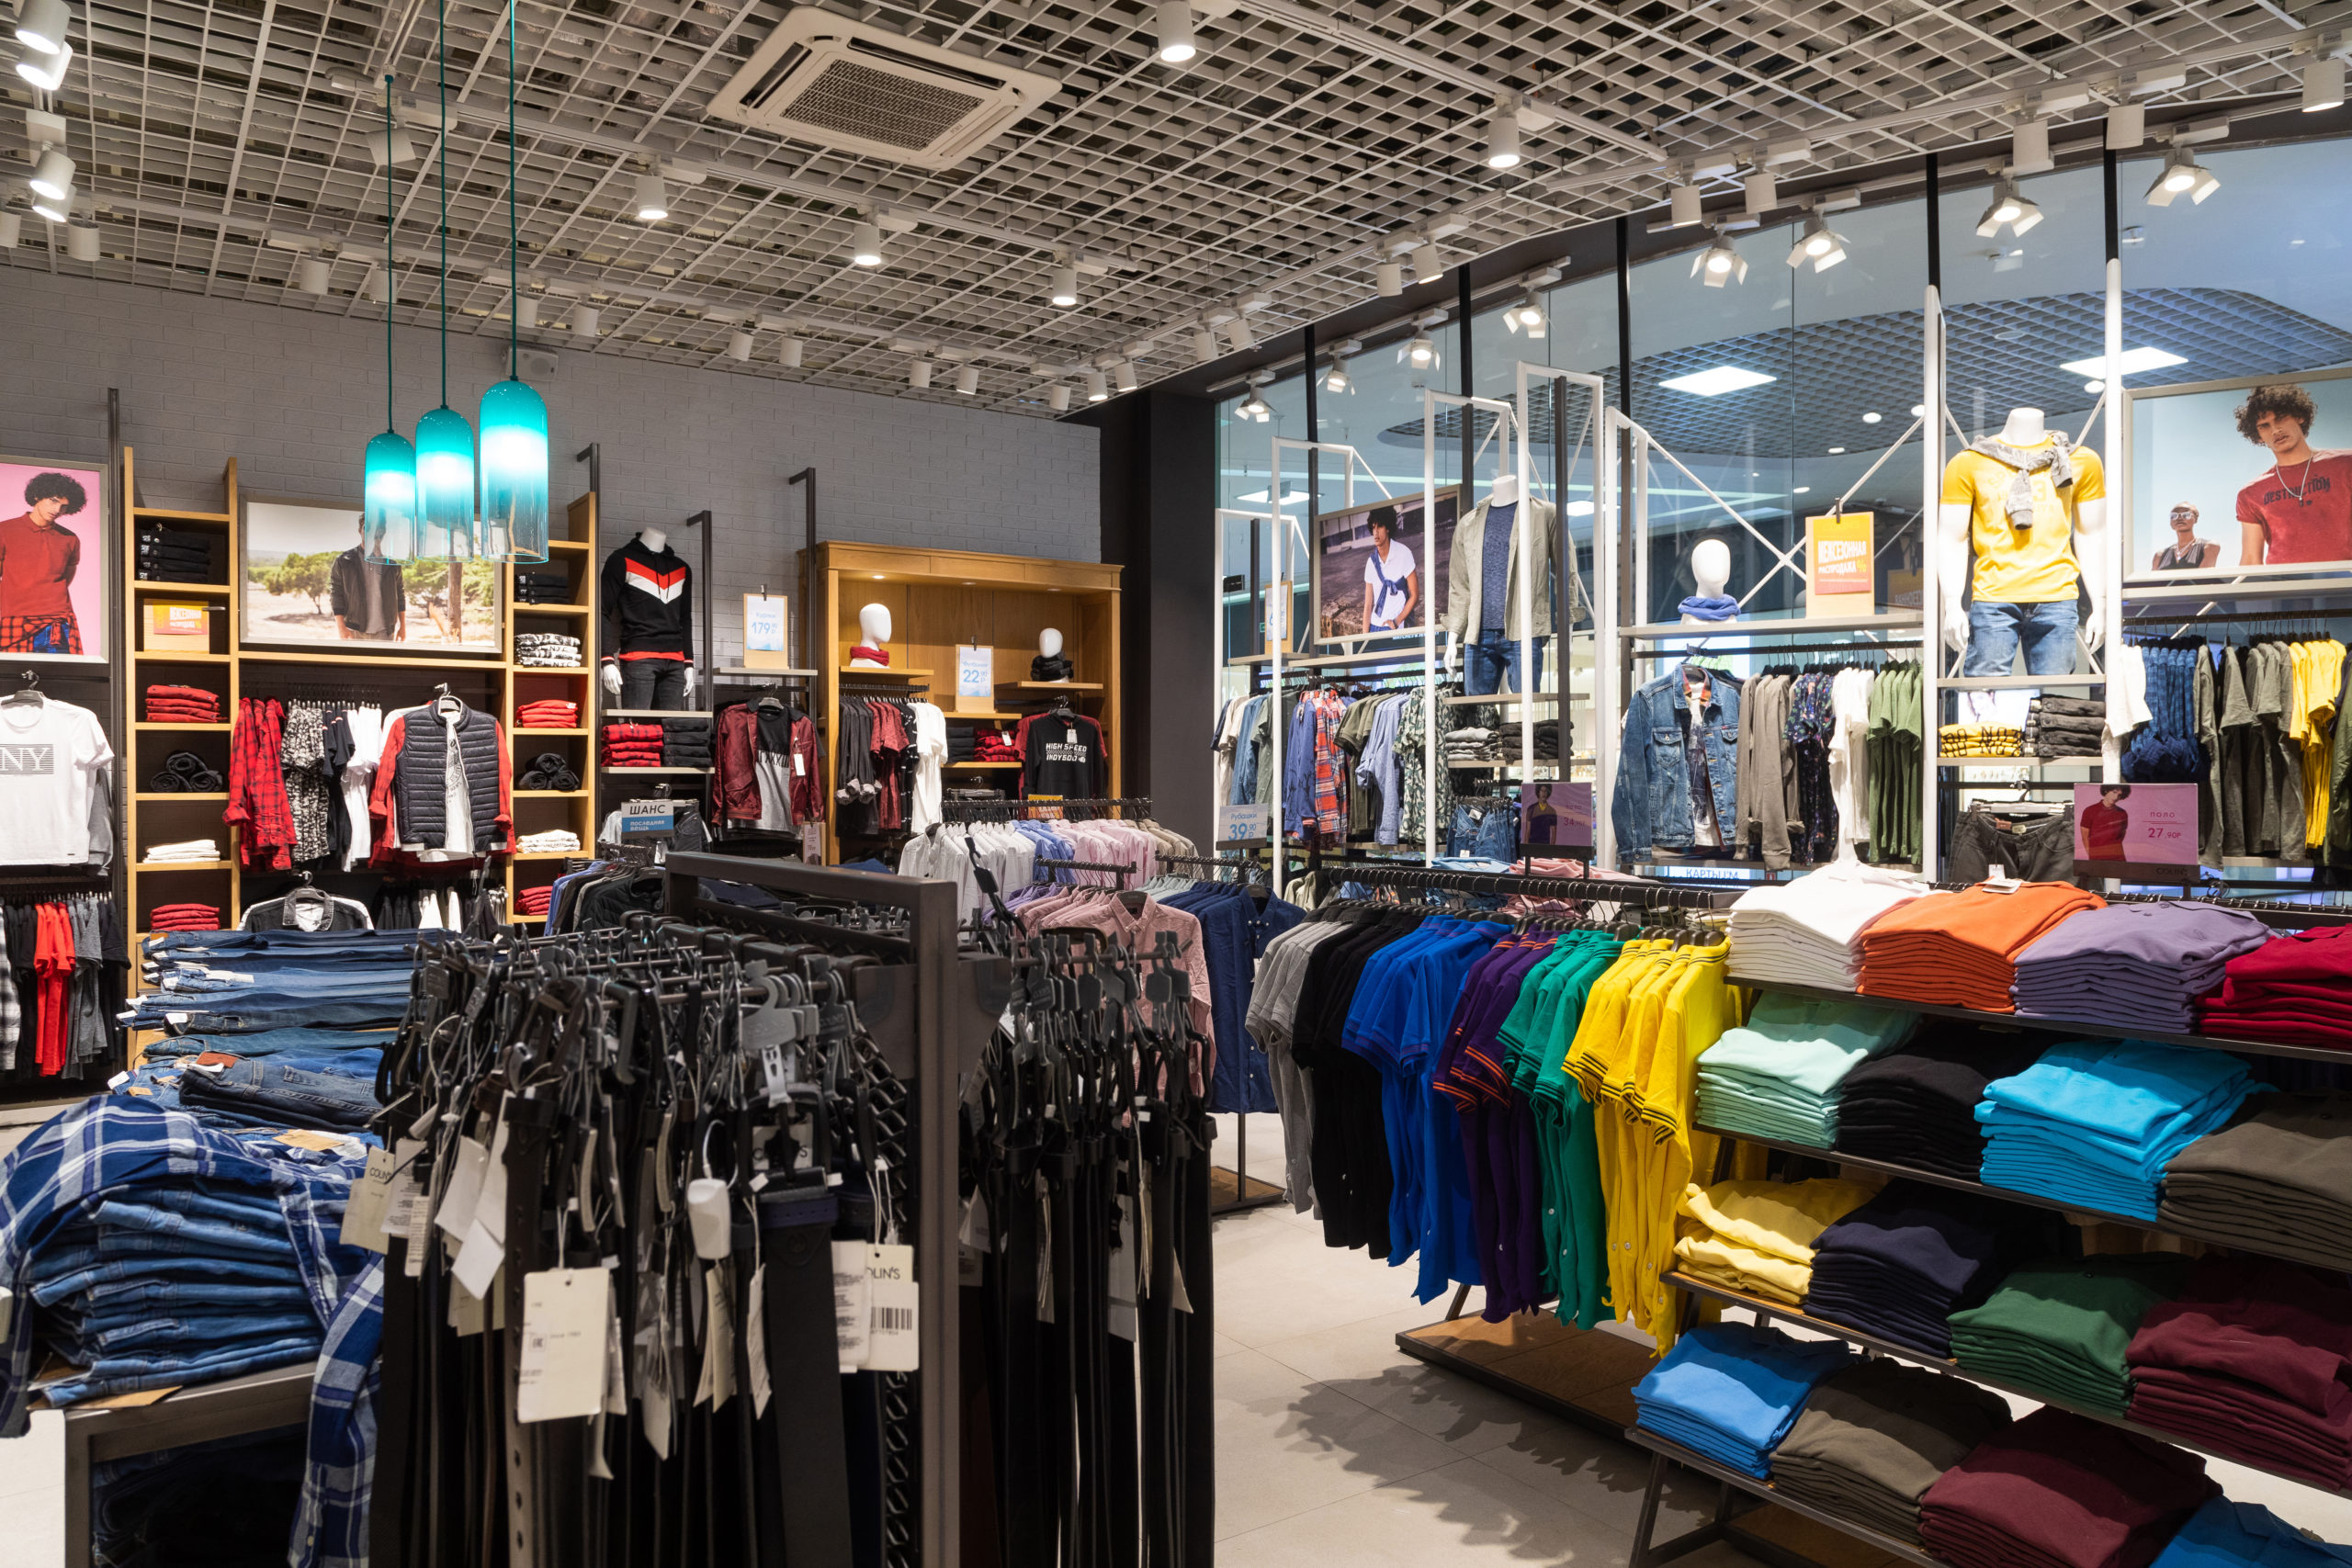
(527, 312)
(865, 244)
(1429, 263)
(739, 346)
(1337, 378)
(1388, 280)
(1763, 192)
(2322, 85)
(2182, 176)
(1719, 263)
(788, 353)
(1203, 346)
(40, 25)
(378, 287)
(311, 274)
(1123, 375)
(1254, 407)
(12, 230)
(46, 72)
(652, 197)
(82, 240)
(1237, 333)
(1502, 136)
(1421, 351)
(919, 374)
(1065, 292)
(1058, 399)
(57, 208)
(1685, 208)
(1819, 243)
(967, 381)
(1097, 389)
(1177, 44)
(52, 176)
(585, 320)
(390, 147)
(1527, 316)
(2007, 208)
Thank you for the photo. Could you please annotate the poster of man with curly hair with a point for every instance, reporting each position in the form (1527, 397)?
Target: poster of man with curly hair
(52, 561)
(2272, 454)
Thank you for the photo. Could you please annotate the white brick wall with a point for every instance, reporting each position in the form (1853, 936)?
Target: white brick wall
(294, 395)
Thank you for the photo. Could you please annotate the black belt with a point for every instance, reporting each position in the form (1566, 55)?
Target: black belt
(804, 1355)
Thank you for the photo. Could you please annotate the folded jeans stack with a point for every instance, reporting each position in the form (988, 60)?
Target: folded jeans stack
(329, 1094)
(241, 983)
(2094, 1123)
(185, 773)
(1979, 740)
(549, 770)
(1903, 1263)
(1805, 932)
(1960, 949)
(550, 650)
(1547, 741)
(2064, 726)
(1875, 1438)
(181, 704)
(1730, 1391)
(1779, 1074)
(2062, 1327)
(685, 743)
(556, 841)
(547, 713)
(1757, 1236)
(2279, 1179)
(1471, 746)
(2291, 989)
(172, 555)
(2223, 1534)
(1917, 1105)
(184, 917)
(186, 850)
(2253, 1360)
(2057, 1490)
(2142, 965)
(542, 587)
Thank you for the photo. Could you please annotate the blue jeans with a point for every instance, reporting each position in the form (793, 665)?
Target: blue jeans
(313, 1044)
(231, 1209)
(133, 1333)
(172, 1298)
(130, 1374)
(1487, 832)
(1491, 664)
(275, 1088)
(254, 1014)
(385, 945)
(52, 1285)
(2047, 630)
(343, 980)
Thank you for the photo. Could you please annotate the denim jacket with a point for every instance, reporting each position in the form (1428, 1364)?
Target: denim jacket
(1650, 807)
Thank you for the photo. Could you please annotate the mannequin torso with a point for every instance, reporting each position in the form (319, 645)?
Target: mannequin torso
(2018, 535)
(647, 592)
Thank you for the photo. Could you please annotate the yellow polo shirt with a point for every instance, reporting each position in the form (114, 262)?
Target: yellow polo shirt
(2022, 566)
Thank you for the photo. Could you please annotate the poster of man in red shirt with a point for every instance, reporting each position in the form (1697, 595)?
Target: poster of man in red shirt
(2300, 507)
(52, 561)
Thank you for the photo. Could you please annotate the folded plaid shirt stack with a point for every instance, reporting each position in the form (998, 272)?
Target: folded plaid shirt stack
(632, 746)
(1979, 740)
(184, 917)
(548, 650)
(181, 704)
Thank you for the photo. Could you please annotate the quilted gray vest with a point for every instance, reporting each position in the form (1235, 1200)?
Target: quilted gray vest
(420, 785)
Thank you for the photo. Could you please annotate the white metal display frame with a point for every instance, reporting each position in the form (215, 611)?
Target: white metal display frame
(1593, 423)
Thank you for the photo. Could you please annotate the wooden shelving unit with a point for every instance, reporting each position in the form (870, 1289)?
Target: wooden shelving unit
(940, 600)
(494, 683)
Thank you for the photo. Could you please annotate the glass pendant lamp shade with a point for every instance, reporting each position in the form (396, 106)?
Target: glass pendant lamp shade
(388, 523)
(515, 472)
(445, 484)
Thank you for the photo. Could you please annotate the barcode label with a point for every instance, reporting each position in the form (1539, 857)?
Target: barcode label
(895, 1320)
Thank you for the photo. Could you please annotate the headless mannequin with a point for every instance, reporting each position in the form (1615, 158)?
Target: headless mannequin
(1049, 664)
(873, 631)
(609, 673)
(1954, 567)
(1506, 492)
(1710, 570)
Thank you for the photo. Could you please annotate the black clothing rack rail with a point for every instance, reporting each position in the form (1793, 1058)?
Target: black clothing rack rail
(852, 688)
(1241, 861)
(1122, 869)
(949, 1029)
(1073, 807)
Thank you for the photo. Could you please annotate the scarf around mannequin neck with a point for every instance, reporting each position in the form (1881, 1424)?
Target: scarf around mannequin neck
(871, 655)
(2018, 500)
(1721, 607)
(1054, 668)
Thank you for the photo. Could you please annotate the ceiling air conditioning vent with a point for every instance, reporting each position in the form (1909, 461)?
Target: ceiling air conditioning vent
(838, 84)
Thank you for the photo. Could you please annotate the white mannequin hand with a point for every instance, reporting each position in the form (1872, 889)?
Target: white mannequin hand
(1955, 626)
(690, 683)
(609, 676)
(2092, 625)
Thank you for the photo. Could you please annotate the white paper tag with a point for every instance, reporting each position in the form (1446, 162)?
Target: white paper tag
(485, 1249)
(562, 1370)
(799, 766)
(468, 1314)
(118, 1080)
(370, 1200)
(893, 1342)
(615, 1365)
(406, 1194)
(717, 1384)
(1069, 734)
(851, 1303)
(456, 1214)
(755, 1341)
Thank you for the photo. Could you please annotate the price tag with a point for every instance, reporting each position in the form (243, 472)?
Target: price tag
(893, 1344)
(853, 1325)
(370, 1202)
(566, 1316)
(799, 766)
(718, 1383)
(755, 1342)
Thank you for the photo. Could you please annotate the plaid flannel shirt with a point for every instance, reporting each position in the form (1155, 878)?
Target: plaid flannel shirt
(106, 1144)
(257, 800)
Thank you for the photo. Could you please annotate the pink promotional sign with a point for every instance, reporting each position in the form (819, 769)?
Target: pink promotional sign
(2153, 824)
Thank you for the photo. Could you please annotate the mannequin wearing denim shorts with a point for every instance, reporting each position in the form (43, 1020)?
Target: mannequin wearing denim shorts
(2021, 525)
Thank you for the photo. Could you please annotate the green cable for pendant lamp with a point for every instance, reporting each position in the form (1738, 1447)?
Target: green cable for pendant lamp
(445, 442)
(514, 417)
(388, 519)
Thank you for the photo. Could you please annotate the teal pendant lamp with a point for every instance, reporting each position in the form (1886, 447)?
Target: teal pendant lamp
(514, 417)
(388, 515)
(445, 442)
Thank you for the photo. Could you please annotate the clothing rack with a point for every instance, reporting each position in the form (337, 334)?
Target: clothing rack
(1122, 869)
(1896, 640)
(851, 688)
(1072, 807)
(1241, 861)
(1499, 884)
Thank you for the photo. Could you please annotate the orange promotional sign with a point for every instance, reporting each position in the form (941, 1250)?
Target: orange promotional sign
(1840, 575)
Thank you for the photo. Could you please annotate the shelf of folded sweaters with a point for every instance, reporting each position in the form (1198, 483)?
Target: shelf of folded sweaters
(1764, 1489)
(2055, 1025)
(1712, 1291)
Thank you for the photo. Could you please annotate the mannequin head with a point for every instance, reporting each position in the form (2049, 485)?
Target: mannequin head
(1710, 568)
(1506, 492)
(1049, 643)
(874, 625)
(2024, 428)
(653, 539)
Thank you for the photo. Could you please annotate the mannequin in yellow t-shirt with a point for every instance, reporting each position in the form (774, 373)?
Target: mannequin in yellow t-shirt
(2031, 508)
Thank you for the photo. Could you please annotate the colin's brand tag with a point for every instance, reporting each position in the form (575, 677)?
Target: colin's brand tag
(370, 1202)
(893, 1343)
(565, 1320)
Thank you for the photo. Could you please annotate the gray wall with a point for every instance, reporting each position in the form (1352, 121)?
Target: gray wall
(294, 395)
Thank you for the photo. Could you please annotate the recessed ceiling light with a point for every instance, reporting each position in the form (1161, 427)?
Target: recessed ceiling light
(878, 577)
(1837, 451)
(2132, 361)
(2094, 387)
(1918, 411)
(1802, 490)
(1872, 418)
(1714, 383)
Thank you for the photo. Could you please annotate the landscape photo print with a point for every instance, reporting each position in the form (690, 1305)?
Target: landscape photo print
(306, 580)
